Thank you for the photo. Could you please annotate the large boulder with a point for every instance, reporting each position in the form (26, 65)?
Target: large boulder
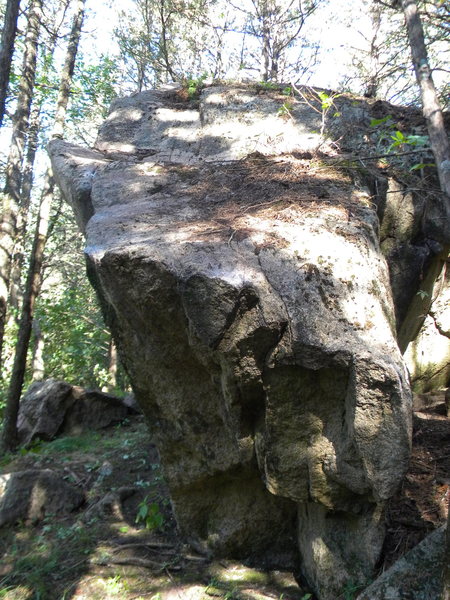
(50, 408)
(251, 306)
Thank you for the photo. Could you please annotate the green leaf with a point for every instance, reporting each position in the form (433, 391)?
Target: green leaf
(421, 166)
(327, 100)
(417, 140)
(399, 137)
(142, 512)
(423, 294)
(154, 508)
(376, 122)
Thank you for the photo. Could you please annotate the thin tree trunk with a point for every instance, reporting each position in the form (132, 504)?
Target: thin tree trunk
(68, 70)
(431, 108)
(9, 434)
(163, 42)
(112, 366)
(265, 67)
(373, 82)
(7, 51)
(277, 52)
(15, 287)
(439, 145)
(38, 365)
(13, 176)
(15, 292)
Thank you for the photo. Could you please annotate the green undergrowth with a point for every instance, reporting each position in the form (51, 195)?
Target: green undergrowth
(46, 561)
(41, 559)
(129, 553)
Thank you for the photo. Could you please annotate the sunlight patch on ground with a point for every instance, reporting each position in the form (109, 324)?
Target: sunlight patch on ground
(16, 593)
(228, 572)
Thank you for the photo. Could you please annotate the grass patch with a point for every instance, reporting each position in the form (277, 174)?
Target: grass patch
(70, 444)
(43, 560)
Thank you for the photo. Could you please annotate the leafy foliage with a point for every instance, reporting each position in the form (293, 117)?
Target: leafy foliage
(94, 88)
(194, 86)
(149, 514)
(394, 143)
(76, 343)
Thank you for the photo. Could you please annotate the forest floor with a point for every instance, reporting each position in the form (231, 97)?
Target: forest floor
(101, 553)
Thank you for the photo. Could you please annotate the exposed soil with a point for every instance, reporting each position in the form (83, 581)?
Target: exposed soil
(100, 552)
(421, 504)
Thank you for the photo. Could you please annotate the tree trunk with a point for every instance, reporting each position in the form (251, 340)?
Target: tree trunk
(266, 64)
(15, 291)
(13, 176)
(439, 146)
(7, 50)
(431, 108)
(68, 69)
(37, 366)
(169, 72)
(277, 54)
(15, 287)
(373, 81)
(112, 367)
(9, 434)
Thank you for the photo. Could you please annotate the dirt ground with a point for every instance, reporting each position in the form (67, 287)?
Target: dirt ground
(100, 552)
(421, 504)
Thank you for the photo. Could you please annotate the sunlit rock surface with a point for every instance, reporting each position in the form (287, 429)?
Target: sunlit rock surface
(251, 306)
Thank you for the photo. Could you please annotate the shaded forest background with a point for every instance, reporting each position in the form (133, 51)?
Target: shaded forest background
(62, 65)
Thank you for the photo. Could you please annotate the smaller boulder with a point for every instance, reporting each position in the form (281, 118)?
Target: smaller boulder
(51, 408)
(92, 410)
(31, 495)
(432, 400)
(42, 410)
(416, 576)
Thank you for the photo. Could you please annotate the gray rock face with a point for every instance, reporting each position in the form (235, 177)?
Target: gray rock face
(419, 274)
(30, 495)
(50, 408)
(251, 305)
(33, 422)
